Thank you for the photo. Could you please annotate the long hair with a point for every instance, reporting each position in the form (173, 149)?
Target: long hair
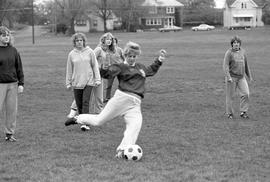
(5, 30)
(76, 36)
(102, 42)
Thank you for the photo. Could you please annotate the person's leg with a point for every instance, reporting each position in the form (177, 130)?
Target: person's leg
(109, 88)
(78, 94)
(3, 93)
(73, 110)
(11, 108)
(133, 120)
(244, 94)
(230, 90)
(118, 105)
(98, 98)
(86, 99)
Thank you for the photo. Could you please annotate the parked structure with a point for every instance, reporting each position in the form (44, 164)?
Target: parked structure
(242, 14)
(162, 13)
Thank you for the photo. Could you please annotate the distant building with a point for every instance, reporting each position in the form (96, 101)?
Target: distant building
(91, 22)
(162, 13)
(242, 13)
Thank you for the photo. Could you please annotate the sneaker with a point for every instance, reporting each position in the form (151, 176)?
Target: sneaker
(244, 115)
(10, 138)
(85, 128)
(230, 116)
(120, 154)
(72, 113)
(70, 121)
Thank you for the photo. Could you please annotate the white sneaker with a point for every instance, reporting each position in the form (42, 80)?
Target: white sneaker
(72, 113)
(85, 128)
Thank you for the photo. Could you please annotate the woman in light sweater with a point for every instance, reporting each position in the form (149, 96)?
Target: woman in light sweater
(107, 50)
(126, 101)
(82, 73)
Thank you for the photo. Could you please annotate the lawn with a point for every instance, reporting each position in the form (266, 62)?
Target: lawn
(185, 135)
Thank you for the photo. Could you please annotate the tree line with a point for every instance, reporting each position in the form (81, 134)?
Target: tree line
(59, 13)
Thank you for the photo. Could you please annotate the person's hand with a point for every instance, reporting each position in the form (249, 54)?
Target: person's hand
(250, 80)
(97, 83)
(69, 87)
(230, 80)
(105, 66)
(20, 89)
(162, 55)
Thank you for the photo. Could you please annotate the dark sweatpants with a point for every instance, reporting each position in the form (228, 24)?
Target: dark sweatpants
(82, 97)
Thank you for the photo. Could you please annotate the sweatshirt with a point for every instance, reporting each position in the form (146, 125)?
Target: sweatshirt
(131, 78)
(11, 69)
(82, 68)
(114, 57)
(235, 64)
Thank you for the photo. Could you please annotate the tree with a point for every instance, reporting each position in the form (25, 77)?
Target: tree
(103, 10)
(200, 11)
(129, 11)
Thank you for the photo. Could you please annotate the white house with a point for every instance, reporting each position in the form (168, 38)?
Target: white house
(92, 22)
(242, 13)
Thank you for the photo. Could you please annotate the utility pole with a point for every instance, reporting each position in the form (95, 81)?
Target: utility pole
(55, 17)
(33, 27)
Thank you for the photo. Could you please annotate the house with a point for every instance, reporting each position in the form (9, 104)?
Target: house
(162, 13)
(242, 13)
(91, 22)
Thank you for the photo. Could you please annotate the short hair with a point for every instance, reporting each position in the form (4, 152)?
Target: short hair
(235, 39)
(78, 35)
(5, 30)
(132, 47)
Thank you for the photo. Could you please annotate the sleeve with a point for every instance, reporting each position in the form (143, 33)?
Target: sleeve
(94, 65)
(112, 71)
(152, 69)
(69, 71)
(121, 54)
(97, 52)
(247, 70)
(226, 65)
(19, 69)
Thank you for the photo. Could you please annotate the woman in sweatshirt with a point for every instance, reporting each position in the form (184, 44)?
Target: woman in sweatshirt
(11, 81)
(236, 70)
(82, 73)
(126, 101)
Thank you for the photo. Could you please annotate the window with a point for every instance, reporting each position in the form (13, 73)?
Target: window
(170, 10)
(81, 22)
(95, 23)
(153, 21)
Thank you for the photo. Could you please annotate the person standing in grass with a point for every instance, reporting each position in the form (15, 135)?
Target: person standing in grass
(116, 56)
(82, 73)
(126, 101)
(107, 50)
(11, 82)
(236, 69)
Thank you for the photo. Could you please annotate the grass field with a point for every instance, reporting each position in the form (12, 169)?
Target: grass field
(185, 135)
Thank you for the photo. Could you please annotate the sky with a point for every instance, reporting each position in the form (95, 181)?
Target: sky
(219, 3)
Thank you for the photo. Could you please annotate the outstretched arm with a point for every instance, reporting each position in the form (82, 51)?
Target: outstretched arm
(154, 67)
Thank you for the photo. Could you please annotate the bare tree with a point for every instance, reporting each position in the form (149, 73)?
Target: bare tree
(103, 10)
(69, 9)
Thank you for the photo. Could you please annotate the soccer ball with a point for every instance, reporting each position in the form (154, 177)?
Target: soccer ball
(133, 152)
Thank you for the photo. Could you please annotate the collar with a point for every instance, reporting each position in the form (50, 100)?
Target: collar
(133, 65)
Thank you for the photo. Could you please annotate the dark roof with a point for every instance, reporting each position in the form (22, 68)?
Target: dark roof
(258, 2)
